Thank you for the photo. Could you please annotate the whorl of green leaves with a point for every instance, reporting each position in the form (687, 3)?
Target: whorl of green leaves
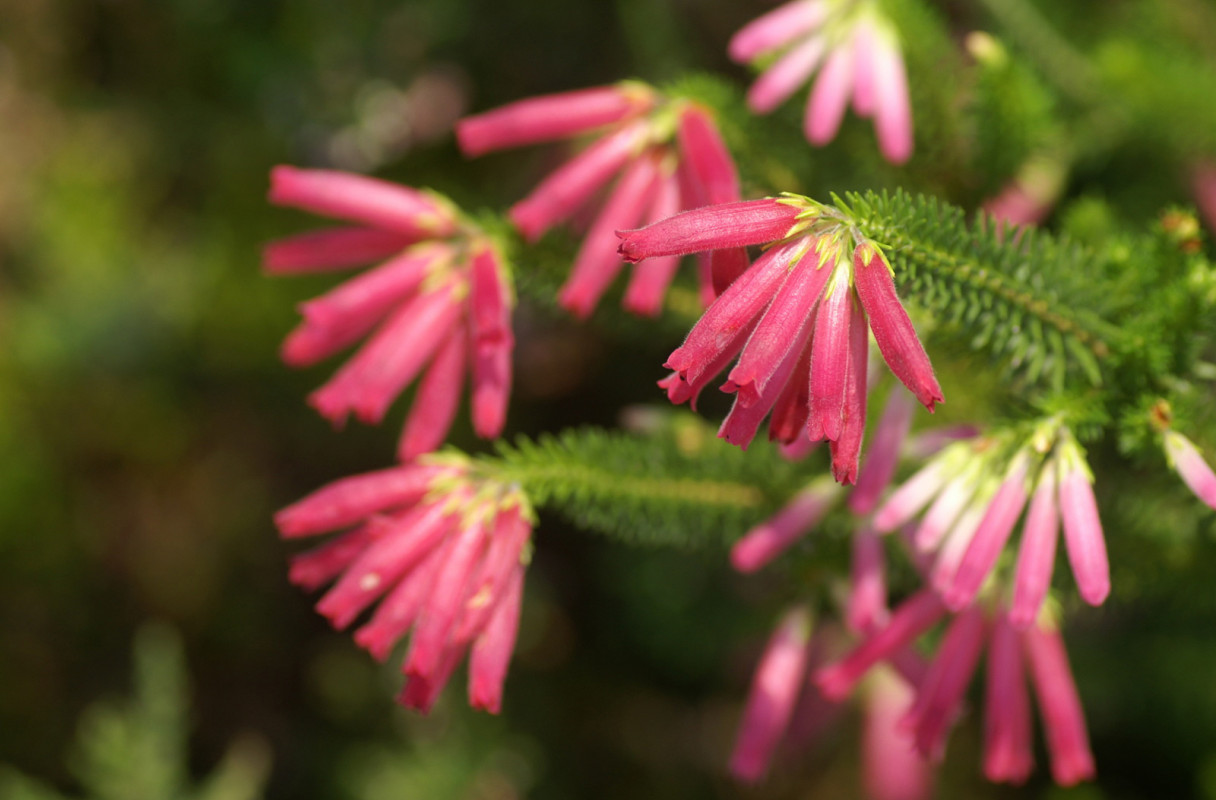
(680, 487)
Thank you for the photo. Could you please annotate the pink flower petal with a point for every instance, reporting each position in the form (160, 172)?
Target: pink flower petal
(893, 331)
(550, 117)
(331, 249)
(357, 198)
(774, 691)
(561, 193)
(777, 28)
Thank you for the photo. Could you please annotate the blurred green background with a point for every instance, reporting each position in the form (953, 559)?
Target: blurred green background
(148, 431)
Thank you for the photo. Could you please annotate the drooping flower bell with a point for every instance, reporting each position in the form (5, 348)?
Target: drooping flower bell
(975, 492)
(856, 51)
(799, 321)
(668, 154)
(440, 552)
(439, 306)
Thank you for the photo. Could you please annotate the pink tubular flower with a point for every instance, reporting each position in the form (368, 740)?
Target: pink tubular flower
(912, 618)
(1059, 705)
(439, 308)
(770, 703)
(861, 60)
(883, 457)
(773, 537)
(1185, 458)
(891, 769)
(799, 317)
(1037, 553)
(941, 688)
(990, 537)
(1008, 753)
(1083, 537)
(438, 551)
(668, 153)
(867, 603)
(940, 695)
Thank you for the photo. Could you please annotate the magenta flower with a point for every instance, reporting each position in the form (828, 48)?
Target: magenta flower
(799, 321)
(1185, 458)
(668, 154)
(439, 552)
(439, 307)
(856, 51)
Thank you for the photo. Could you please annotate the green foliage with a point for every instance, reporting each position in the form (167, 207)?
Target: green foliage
(138, 751)
(679, 487)
(1012, 111)
(1019, 297)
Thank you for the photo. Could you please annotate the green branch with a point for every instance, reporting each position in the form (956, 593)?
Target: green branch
(1026, 297)
(678, 487)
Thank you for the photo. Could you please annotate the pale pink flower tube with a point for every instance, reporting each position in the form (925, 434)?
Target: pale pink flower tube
(1059, 705)
(1037, 553)
(830, 96)
(990, 537)
(774, 536)
(777, 28)
(940, 695)
(561, 193)
(912, 618)
(357, 198)
(597, 262)
(866, 610)
(770, 703)
(550, 117)
(1008, 751)
(1191, 467)
(891, 769)
(883, 456)
(1083, 537)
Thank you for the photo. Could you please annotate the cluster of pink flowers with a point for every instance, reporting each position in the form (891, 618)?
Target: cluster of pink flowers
(669, 155)
(974, 510)
(440, 550)
(860, 57)
(975, 494)
(940, 692)
(443, 296)
(799, 321)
